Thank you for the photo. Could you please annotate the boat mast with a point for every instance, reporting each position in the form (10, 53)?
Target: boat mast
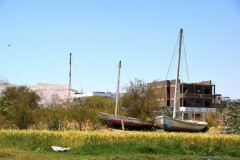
(178, 68)
(69, 85)
(117, 93)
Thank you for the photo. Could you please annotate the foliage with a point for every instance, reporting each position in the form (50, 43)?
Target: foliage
(39, 116)
(19, 109)
(213, 119)
(54, 117)
(233, 118)
(85, 111)
(78, 114)
(139, 100)
(55, 114)
(17, 104)
(102, 104)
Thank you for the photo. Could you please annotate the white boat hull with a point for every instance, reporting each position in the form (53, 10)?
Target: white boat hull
(170, 124)
(128, 122)
(158, 122)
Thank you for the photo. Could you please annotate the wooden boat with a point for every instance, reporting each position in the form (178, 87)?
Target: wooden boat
(121, 121)
(128, 122)
(158, 122)
(175, 124)
(171, 124)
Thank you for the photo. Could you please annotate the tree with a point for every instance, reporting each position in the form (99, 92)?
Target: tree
(56, 114)
(139, 100)
(17, 104)
(233, 118)
(56, 117)
(79, 115)
(100, 104)
(85, 111)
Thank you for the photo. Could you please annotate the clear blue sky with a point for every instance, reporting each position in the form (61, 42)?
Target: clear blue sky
(99, 33)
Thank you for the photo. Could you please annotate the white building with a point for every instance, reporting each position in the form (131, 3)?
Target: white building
(50, 92)
(59, 92)
(91, 94)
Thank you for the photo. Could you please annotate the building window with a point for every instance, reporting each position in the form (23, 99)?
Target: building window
(184, 103)
(185, 116)
(185, 90)
(198, 103)
(198, 116)
(206, 91)
(198, 90)
(207, 104)
(168, 102)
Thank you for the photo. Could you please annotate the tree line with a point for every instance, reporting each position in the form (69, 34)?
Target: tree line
(20, 109)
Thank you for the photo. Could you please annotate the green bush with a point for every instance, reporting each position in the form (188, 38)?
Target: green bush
(233, 118)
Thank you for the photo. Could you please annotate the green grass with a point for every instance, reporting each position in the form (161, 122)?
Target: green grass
(118, 145)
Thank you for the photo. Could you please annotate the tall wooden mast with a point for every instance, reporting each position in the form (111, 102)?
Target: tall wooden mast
(69, 85)
(118, 84)
(177, 78)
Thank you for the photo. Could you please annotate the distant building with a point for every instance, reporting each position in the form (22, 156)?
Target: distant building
(220, 100)
(79, 98)
(49, 92)
(195, 99)
(59, 92)
(91, 94)
(236, 100)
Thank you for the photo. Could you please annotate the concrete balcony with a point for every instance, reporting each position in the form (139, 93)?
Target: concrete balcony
(189, 95)
(197, 109)
(207, 96)
(195, 95)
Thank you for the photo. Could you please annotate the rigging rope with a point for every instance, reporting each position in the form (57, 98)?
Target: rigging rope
(110, 84)
(174, 61)
(115, 72)
(161, 93)
(75, 68)
(172, 58)
(185, 59)
(126, 73)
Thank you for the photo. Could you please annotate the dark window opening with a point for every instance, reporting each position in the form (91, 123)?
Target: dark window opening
(197, 116)
(207, 104)
(184, 103)
(198, 103)
(168, 102)
(206, 91)
(198, 90)
(185, 116)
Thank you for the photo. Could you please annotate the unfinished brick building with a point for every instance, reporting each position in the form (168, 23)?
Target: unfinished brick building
(194, 99)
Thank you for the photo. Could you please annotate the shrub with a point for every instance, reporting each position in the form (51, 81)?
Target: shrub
(233, 118)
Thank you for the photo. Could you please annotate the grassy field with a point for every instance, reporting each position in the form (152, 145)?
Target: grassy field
(117, 145)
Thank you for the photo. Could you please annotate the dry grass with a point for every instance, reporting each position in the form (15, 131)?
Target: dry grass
(118, 142)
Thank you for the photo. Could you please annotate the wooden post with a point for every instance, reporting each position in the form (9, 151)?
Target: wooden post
(122, 125)
(176, 83)
(69, 85)
(117, 93)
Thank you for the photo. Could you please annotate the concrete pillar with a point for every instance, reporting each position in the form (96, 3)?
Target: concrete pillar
(203, 115)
